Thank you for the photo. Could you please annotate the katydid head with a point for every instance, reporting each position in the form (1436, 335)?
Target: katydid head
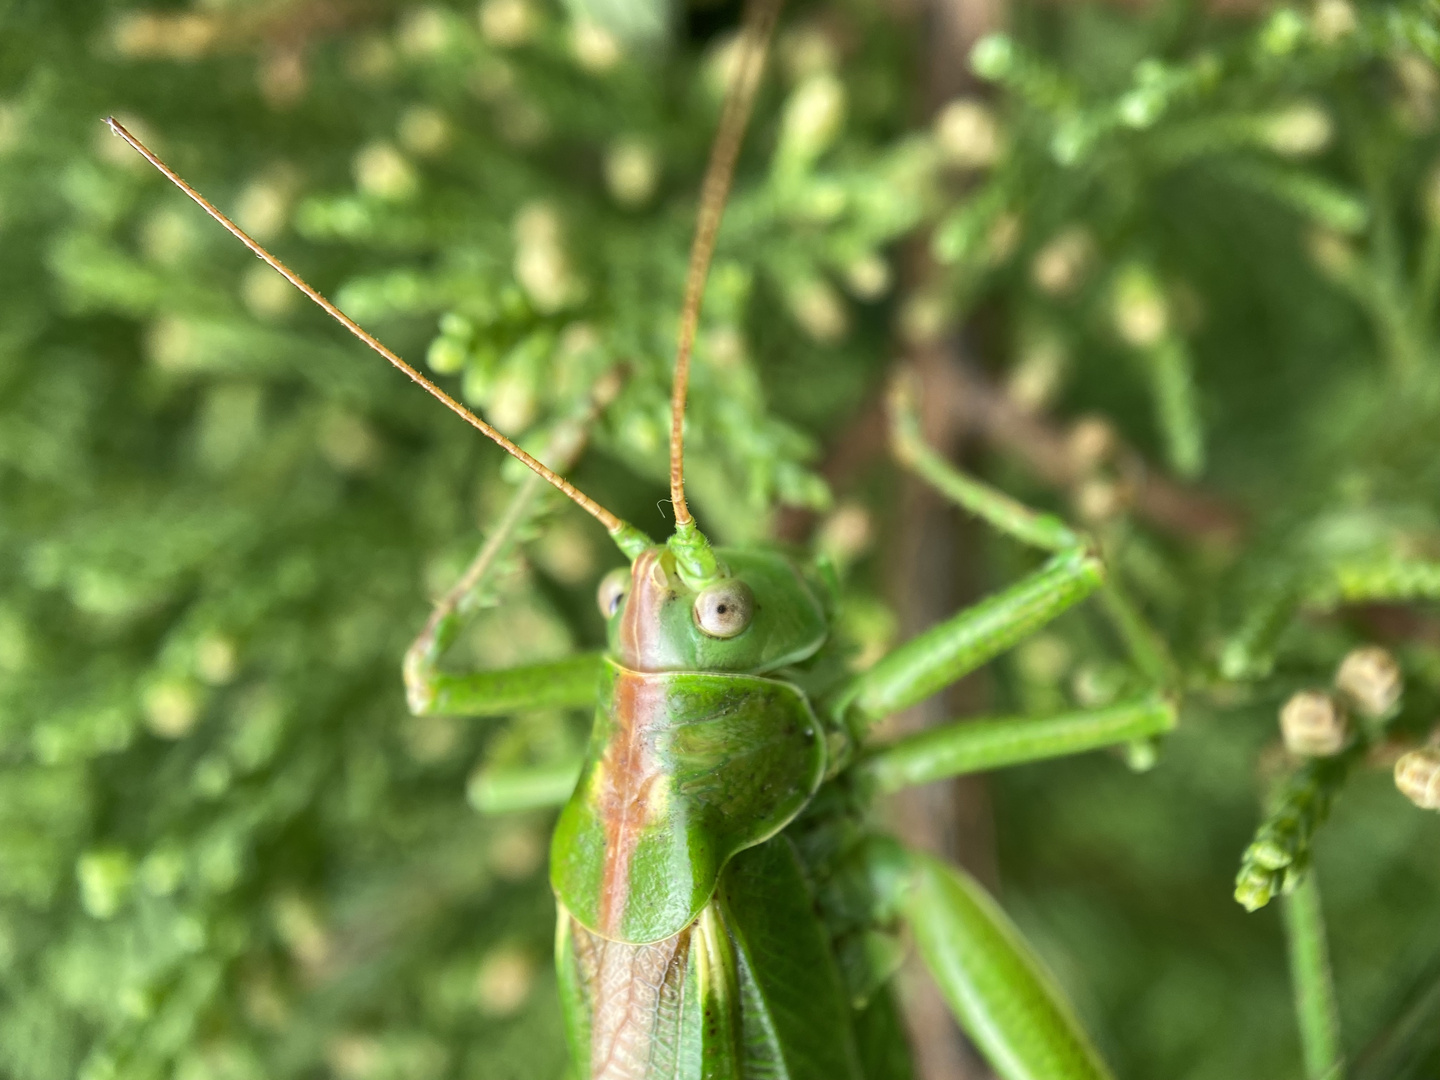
(758, 612)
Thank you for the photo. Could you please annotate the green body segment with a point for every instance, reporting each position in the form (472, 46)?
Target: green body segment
(685, 769)
(749, 990)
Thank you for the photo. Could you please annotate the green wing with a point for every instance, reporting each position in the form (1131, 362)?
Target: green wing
(998, 989)
(749, 991)
(795, 1019)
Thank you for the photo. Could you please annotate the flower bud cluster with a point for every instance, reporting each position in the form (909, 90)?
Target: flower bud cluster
(1368, 684)
(1276, 860)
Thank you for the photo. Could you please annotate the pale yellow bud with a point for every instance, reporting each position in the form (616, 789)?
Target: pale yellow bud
(806, 51)
(923, 318)
(1142, 317)
(347, 442)
(424, 32)
(282, 77)
(105, 878)
(595, 48)
(507, 23)
(430, 739)
(382, 171)
(818, 309)
(144, 35)
(1333, 20)
(1332, 252)
(724, 347)
(566, 554)
(264, 204)
(266, 293)
(424, 131)
(1417, 775)
(172, 344)
(1003, 238)
(1299, 131)
(846, 533)
(967, 134)
(868, 277)
(1035, 379)
(355, 1056)
(167, 236)
(1419, 85)
(1044, 659)
(512, 404)
(1097, 500)
(1312, 725)
(722, 64)
(504, 981)
(371, 59)
(1091, 441)
(813, 117)
(541, 265)
(632, 171)
(516, 852)
(1370, 680)
(215, 659)
(300, 927)
(171, 708)
(1060, 266)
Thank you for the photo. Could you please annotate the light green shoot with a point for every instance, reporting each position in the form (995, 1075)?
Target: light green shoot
(1316, 1008)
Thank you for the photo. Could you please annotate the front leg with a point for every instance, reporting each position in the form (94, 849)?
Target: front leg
(563, 683)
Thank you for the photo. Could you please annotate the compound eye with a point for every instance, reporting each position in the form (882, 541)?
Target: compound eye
(724, 610)
(611, 593)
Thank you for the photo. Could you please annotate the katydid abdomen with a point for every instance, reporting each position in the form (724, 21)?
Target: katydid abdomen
(748, 991)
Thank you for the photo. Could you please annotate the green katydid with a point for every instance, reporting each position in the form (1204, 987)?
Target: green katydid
(725, 907)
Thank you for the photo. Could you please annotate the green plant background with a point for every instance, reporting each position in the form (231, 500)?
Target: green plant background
(225, 851)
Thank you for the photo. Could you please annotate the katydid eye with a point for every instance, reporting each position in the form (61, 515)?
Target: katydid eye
(611, 593)
(724, 610)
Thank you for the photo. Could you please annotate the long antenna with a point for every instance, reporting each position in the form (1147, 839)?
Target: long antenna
(612, 523)
(745, 81)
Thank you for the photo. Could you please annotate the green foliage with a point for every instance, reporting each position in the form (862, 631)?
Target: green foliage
(224, 848)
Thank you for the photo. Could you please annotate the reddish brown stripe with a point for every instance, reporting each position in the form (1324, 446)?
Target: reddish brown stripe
(628, 774)
(639, 644)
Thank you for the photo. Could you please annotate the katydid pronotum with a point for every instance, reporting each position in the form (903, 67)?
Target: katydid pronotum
(726, 907)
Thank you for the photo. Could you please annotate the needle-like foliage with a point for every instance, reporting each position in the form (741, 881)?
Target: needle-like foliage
(1176, 270)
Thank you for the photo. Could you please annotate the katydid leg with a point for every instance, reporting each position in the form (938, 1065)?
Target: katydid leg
(1013, 518)
(997, 509)
(567, 683)
(493, 693)
(939, 656)
(988, 743)
(998, 989)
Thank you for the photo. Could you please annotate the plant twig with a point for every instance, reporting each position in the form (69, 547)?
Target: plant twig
(1315, 1006)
